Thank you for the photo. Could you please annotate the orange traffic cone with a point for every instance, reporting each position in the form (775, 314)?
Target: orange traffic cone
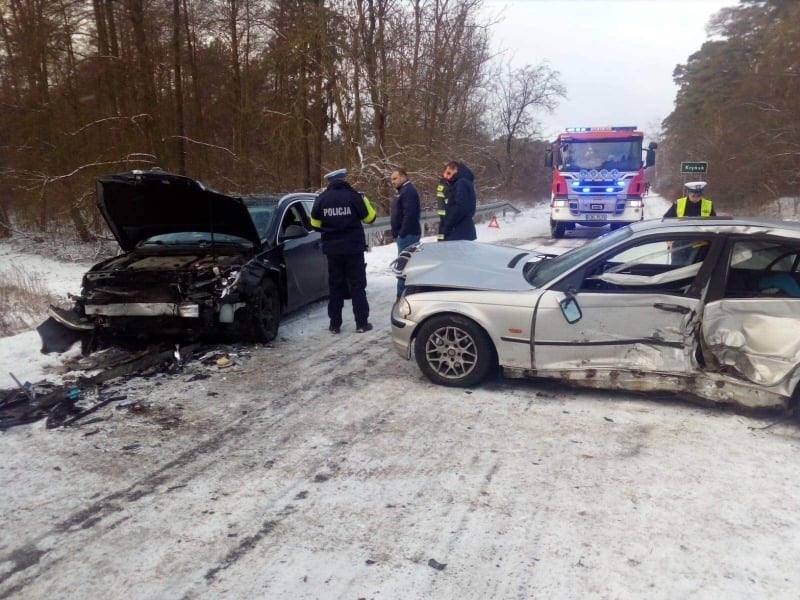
(494, 223)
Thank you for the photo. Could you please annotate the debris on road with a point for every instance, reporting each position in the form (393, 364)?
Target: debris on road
(436, 565)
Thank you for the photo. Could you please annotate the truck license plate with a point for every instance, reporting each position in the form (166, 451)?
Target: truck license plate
(595, 217)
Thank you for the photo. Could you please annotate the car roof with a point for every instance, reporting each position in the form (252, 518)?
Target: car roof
(261, 199)
(742, 225)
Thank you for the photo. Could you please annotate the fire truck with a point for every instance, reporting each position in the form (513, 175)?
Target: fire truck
(598, 177)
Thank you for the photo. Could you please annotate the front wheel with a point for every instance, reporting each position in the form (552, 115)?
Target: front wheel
(264, 310)
(454, 351)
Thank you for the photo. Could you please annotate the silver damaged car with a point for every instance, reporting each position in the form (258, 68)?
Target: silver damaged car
(704, 307)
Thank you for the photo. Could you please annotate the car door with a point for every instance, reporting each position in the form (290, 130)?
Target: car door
(306, 267)
(638, 309)
(752, 315)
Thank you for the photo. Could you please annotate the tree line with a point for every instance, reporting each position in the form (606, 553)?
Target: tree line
(738, 108)
(256, 96)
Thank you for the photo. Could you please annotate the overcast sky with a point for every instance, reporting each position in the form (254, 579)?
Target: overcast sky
(615, 57)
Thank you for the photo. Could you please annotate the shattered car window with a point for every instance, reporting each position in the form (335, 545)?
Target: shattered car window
(551, 269)
(763, 268)
(663, 266)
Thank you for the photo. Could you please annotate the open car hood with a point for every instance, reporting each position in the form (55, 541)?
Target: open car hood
(469, 266)
(139, 204)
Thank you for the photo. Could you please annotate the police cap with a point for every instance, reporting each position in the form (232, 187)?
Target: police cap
(337, 174)
(696, 186)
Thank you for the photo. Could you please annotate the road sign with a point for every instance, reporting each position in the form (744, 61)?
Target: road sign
(694, 167)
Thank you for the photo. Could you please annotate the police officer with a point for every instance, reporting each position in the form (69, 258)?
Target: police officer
(693, 204)
(338, 213)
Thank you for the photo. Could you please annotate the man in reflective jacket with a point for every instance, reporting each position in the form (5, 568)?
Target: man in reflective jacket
(693, 204)
(338, 213)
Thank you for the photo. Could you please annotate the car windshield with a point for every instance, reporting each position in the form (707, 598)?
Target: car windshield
(548, 270)
(182, 238)
(623, 155)
(262, 210)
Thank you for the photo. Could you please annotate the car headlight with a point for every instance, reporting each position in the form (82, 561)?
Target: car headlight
(404, 308)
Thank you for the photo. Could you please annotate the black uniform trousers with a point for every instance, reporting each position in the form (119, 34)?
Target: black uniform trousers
(347, 278)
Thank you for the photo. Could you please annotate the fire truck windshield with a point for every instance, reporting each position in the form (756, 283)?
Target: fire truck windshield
(623, 155)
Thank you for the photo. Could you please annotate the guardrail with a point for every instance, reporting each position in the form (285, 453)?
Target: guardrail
(377, 230)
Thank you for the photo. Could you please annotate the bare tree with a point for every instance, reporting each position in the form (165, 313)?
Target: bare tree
(518, 95)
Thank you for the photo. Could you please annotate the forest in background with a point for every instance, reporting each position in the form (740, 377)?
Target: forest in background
(254, 96)
(738, 107)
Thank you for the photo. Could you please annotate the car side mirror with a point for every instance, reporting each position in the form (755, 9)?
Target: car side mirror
(570, 309)
(293, 232)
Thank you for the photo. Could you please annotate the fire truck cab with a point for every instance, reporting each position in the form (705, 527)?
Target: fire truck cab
(598, 177)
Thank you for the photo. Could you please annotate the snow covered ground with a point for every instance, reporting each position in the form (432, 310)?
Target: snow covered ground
(327, 467)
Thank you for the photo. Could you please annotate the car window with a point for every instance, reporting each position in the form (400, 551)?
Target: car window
(308, 204)
(295, 214)
(179, 238)
(763, 268)
(262, 215)
(666, 266)
(550, 269)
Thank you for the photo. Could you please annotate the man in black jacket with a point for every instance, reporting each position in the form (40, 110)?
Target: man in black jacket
(458, 224)
(338, 213)
(404, 216)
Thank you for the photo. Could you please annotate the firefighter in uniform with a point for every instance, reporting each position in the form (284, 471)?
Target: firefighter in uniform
(441, 203)
(338, 213)
(693, 204)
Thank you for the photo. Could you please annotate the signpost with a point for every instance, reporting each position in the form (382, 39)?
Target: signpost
(694, 167)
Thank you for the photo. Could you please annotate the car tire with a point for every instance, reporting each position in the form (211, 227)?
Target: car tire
(264, 309)
(454, 351)
(557, 229)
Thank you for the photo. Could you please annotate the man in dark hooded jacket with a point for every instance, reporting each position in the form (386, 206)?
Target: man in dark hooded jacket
(460, 208)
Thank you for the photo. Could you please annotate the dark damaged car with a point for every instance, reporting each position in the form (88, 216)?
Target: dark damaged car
(704, 307)
(194, 262)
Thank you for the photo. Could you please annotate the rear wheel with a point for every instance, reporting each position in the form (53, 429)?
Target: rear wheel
(454, 351)
(557, 229)
(264, 309)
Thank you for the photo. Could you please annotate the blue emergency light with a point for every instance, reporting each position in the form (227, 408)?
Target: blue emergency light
(601, 128)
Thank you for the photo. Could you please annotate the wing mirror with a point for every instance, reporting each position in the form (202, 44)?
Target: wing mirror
(293, 232)
(570, 308)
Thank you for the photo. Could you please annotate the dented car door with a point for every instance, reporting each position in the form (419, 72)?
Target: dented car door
(639, 311)
(750, 322)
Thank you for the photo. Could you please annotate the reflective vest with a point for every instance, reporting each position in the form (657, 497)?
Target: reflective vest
(441, 196)
(705, 207)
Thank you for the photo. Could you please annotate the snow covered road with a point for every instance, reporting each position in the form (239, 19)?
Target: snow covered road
(327, 467)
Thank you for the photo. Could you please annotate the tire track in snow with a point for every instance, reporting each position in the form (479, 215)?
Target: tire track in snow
(194, 462)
